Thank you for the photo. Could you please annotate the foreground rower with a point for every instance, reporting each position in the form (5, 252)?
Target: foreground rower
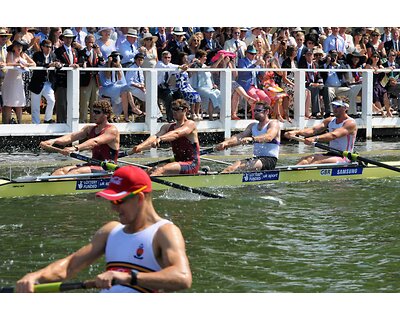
(102, 138)
(266, 137)
(184, 141)
(341, 135)
(143, 252)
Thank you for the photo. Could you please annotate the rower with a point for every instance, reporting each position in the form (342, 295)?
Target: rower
(102, 138)
(183, 136)
(341, 135)
(265, 135)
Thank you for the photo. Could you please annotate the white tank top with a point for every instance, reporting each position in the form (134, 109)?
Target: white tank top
(266, 149)
(125, 252)
(345, 143)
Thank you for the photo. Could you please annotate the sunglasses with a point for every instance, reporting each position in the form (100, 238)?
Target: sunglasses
(166, 57)
(121, 201)
(177, 109)
(97, 111)
(47, 46)
(4, 36)
(258, 110)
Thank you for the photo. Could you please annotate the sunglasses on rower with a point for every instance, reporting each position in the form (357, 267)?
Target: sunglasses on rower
(131, 195)
(177, 109)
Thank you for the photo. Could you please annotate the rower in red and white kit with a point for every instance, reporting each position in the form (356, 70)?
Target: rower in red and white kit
(102, 138)
(184, 141)
(341, 135)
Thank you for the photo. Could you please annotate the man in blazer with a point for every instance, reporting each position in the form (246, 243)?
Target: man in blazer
(89, 57)
(42, 82)
(209, 44)
(394, 43)
(236, 45)
(67, 55)
(314, 81)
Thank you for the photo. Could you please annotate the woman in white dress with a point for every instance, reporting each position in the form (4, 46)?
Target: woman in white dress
(13, 86)
(149, 50)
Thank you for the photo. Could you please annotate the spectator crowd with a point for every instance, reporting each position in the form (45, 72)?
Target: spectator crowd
(127, 50)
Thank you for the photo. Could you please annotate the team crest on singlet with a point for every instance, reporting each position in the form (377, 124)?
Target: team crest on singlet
(139, 252)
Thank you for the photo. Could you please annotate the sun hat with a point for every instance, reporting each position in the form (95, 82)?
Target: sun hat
(3, 32)
(209, 29)
(251, 49)
(67, 33)
(224, 53)
(132, 33)
(124, 181)
(22, 43)
(148, 35)
(105, 28)
(356, 54)
(178, 31)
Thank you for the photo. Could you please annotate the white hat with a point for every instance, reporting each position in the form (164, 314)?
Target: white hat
(106, 28)
(132, 33)
(68, 33)
(178, 31)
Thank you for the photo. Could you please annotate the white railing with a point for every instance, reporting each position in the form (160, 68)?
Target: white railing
(224, 124)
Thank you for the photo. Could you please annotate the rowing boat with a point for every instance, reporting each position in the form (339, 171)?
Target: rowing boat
(86, 183)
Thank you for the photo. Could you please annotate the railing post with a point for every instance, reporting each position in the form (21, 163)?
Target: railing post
(299, 97)
(151, 101)
(226, 106)
(73, 99)
(366, 105)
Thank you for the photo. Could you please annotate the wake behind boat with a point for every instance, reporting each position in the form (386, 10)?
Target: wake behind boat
(90, 183)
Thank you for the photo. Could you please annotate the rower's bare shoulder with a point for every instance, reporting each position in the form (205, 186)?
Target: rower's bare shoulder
(106, 229)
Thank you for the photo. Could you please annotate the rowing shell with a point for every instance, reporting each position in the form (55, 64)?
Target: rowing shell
(88, 183)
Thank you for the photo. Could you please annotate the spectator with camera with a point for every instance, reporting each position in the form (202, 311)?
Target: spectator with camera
(334, 81)
(91, 57)
(113, 87)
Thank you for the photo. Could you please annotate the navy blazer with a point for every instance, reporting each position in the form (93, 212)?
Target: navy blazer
(39, 77)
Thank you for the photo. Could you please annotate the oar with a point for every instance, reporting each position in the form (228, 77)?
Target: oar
(156, 163)
(173, 184)
(112, 167)
(349, 155)
(56, 287)
(216, 161)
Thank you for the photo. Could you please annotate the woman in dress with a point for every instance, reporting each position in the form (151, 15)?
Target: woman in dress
(149, 50)
(106, 44)
(279, 98)
(184, 87)
(203, 83)
(379, 93)
(194, 45)
(375, 45)
(13, 91)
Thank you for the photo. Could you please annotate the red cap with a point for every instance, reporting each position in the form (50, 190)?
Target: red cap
(124, 181)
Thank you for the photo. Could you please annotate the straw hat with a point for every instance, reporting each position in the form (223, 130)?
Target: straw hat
(178, 31)
(68, 34)
(132, 33)
(148, 35)
(3, 32)
(16, 43)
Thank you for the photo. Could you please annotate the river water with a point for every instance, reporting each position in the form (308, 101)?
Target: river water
(300, 237)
